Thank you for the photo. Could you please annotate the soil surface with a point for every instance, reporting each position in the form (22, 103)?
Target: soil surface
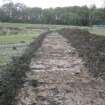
(90, 47)
(57, 76)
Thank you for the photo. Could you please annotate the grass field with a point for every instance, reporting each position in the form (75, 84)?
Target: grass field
(19, 33)
(7, 53)
(25, 37)
(32, 26)
(13, 33)
(98, 31)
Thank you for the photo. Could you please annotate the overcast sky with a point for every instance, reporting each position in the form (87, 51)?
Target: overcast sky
(57, 3)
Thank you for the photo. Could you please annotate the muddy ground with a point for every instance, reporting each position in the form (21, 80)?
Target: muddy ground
(57, 76)
(91, 49)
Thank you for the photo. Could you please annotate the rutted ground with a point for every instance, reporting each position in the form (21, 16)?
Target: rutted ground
(57, 76)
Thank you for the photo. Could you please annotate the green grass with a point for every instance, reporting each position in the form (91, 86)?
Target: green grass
(3, 60)
(98, 31)
(27, 34)
(18, 38)
(32, 26)
(7, 53)
(95, 30)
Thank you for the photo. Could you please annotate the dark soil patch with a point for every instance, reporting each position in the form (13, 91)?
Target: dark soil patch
(90, 47)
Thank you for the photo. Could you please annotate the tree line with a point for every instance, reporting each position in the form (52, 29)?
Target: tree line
(74, 15)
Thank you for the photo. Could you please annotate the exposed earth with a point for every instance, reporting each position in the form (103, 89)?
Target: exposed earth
(57, 76)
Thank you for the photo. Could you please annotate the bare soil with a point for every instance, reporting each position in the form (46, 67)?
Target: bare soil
(57, 76)
(90, 47)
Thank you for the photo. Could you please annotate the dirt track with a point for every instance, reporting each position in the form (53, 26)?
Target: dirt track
(57, 76)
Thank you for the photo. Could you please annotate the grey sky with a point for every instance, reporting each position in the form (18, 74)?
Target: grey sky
(57, 3)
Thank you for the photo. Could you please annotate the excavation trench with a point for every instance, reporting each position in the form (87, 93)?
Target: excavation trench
(57, 76)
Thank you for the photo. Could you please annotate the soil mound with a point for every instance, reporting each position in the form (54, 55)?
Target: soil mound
(90, 47)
